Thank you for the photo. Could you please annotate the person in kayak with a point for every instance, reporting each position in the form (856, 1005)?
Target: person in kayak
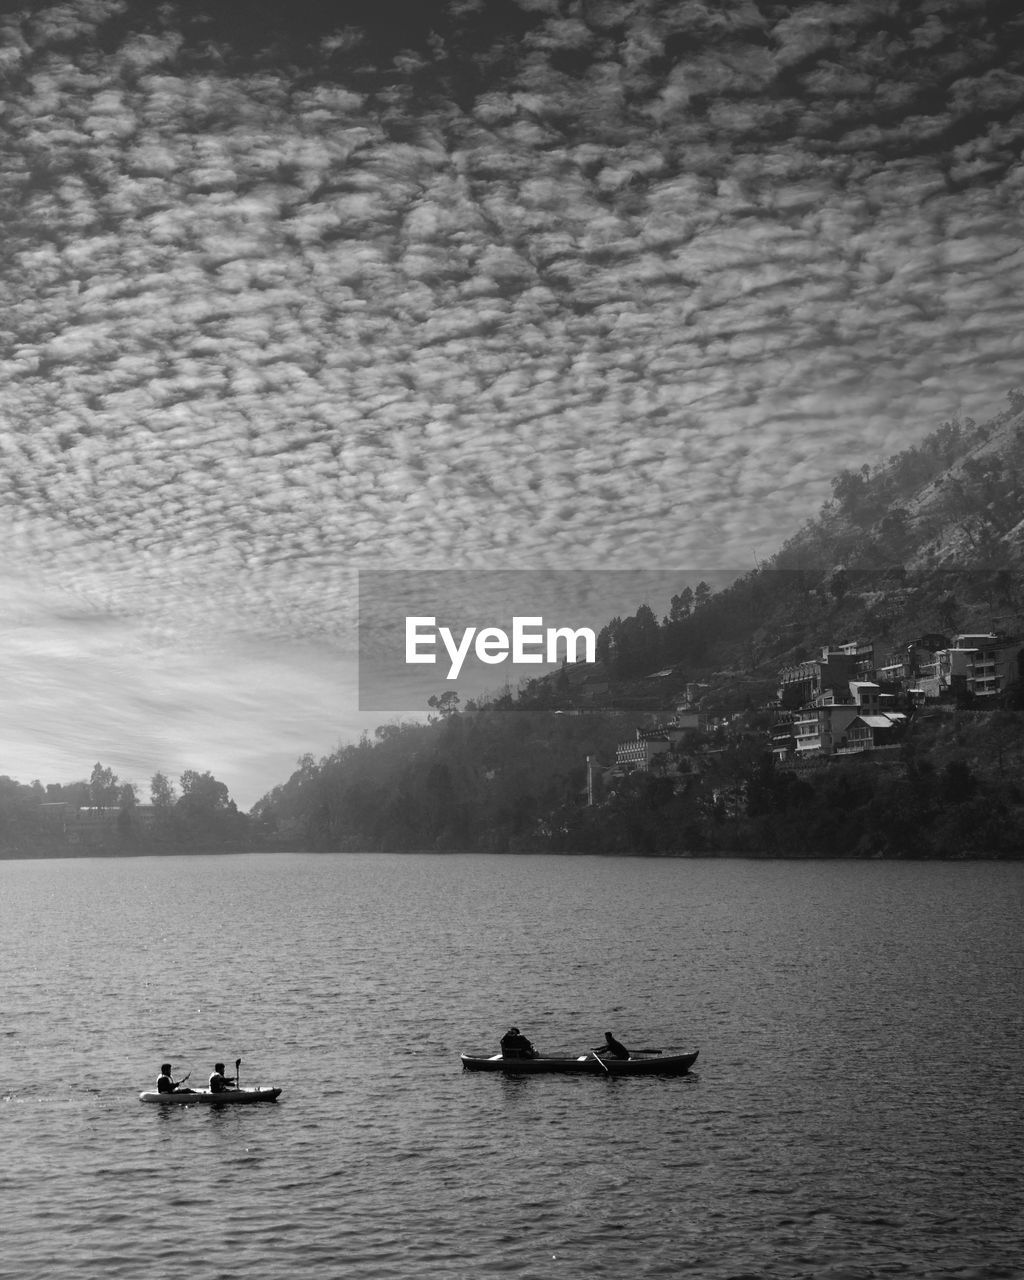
(166, 1085)
(611, 1048)
(515, 1045)
(218, 1081)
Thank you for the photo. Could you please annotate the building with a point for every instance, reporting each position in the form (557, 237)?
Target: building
(801, 682)
(975, 664)
(637, 753)
(95, 825)
(901, 669)
(838, 722)
(866, 656)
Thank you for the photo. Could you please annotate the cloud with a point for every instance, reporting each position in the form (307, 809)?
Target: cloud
(640, 295)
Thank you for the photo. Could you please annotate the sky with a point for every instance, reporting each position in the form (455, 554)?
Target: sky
(531, 284)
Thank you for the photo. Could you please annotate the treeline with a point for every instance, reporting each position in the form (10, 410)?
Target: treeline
(104, 815)
(500, 780)
(484, 779)
(919, 804)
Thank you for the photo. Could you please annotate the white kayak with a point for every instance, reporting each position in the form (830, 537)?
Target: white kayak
(188, 1097)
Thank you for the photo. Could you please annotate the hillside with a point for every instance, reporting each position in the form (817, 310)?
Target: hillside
(929, 541)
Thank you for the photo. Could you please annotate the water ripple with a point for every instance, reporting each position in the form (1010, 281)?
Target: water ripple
(856, 1113)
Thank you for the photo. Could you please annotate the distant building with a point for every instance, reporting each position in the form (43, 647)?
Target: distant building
(685, 722)
(637, 753)
(902, 668)
(801, 682)
(866, 656)
(94, 825)
(979, 665)
(838, 722)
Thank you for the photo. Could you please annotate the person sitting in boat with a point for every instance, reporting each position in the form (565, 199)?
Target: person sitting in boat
(166, 1085)
(515, 1045)
(219, 1081)
(611, 1048)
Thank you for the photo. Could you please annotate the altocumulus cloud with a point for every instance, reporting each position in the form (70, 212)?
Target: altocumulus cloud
(573, 285)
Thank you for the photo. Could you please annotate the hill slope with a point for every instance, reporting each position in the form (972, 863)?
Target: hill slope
(929, 541)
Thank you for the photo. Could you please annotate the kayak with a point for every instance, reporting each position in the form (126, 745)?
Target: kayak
(676, 1064)
(187, 1099)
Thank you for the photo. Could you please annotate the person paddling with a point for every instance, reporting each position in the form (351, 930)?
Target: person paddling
(611, 1048)
(218, 1081)
(166, 1085)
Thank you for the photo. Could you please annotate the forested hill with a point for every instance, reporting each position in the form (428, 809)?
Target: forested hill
(955, 501)
(930, 540)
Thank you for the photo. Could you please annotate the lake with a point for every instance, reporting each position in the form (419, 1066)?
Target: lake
(855, 1111)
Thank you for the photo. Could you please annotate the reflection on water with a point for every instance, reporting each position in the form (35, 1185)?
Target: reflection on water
(855, 1112)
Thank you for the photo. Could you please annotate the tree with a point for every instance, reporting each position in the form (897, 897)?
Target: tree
(948, 611)
(445, 704)
(205, 815)
(162, 793)
(849, 490)
(202, 793)
(104, 786)
(608, 643)
(681, 606)
(839, 584)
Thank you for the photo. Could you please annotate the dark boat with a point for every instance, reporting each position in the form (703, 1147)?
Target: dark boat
(676, 1064)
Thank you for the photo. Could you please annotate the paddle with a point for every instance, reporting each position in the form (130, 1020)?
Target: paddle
(238, 1063)
(601, 1060)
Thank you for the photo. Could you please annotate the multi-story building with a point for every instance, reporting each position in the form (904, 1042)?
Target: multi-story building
(637, 753)
(902, 668)
(838, 722)
(979, 664)
(866, 656)
(800, 682)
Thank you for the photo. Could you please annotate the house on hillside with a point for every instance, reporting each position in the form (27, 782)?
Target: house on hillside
(979, 664)
(801, 682)
(866, 656)
(637, 753)
(838, 721)
(901, 669)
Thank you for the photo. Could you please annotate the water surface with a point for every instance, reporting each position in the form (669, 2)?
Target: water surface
(856, 1110)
